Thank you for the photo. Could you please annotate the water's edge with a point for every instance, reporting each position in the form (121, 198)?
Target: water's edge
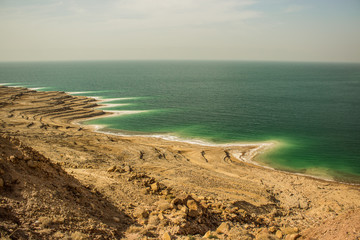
(253, 158)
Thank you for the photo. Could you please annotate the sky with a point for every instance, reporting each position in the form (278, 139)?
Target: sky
(264, 30)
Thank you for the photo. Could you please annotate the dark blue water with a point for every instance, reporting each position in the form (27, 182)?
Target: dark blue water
(312, 109)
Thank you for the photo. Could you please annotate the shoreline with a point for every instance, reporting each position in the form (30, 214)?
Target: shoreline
(251, 159)
(173, 138)
(262, 147)
(139, 186)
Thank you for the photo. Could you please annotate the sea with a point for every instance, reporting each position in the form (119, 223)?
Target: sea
(311, 111)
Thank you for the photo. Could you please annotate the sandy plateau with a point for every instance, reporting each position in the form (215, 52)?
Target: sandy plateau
(60, 180)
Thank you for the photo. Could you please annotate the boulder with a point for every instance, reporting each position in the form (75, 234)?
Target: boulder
(59, 234)
(111, 169)
(127, 169)
(183, 209)
(303, 204)
(207, 234)
(166, 236)
(154, 220)
(194, 209)
(272, 229)
(223, 228)
(279, 234)
(210, 235)
(44, 222)
(192, 205)
(293, 236)
(141, 213)
(31, 164)
(289, 230)
(164, 205)
(155, 187)
(161, 216)
(265, 236)
(165, 192)
(78, 236)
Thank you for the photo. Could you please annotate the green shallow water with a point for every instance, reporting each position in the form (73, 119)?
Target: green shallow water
(310, 108)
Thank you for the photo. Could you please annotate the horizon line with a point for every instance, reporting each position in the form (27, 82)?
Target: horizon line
(178, 60)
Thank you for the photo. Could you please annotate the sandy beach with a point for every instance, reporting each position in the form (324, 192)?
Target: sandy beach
(62, 180)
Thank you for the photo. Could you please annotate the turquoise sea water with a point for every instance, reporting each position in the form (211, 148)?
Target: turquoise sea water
(312, 109)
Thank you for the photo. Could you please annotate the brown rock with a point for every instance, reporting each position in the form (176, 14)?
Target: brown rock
(176, 201)
(145, 191)
(234, 210)
(141, 213)
(161, 216)
(163, 206)
(119, 170)
(201, 198)
(272, 229)
(293, 236)
(303, 204)
(289, 230)
(194, 210)
(58, 235)
(166, 236)
(111, 169)
(207, 234)
(184, 209)
(211, 235)
(278, 234)
(135, 229)
(165, 192)
(127, 169)
(265, 236)
(155, 187)
(78, 236)
(116, 219)
(204, 203)
(192, 205)
(44, 221)
(31, 164)
(169, 197)
(154, 220)
(223, 228)
(2, 183)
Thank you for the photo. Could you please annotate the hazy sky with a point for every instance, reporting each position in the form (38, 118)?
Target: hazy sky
(281, 30)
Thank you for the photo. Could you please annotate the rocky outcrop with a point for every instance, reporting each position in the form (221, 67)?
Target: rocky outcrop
(40, 200)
